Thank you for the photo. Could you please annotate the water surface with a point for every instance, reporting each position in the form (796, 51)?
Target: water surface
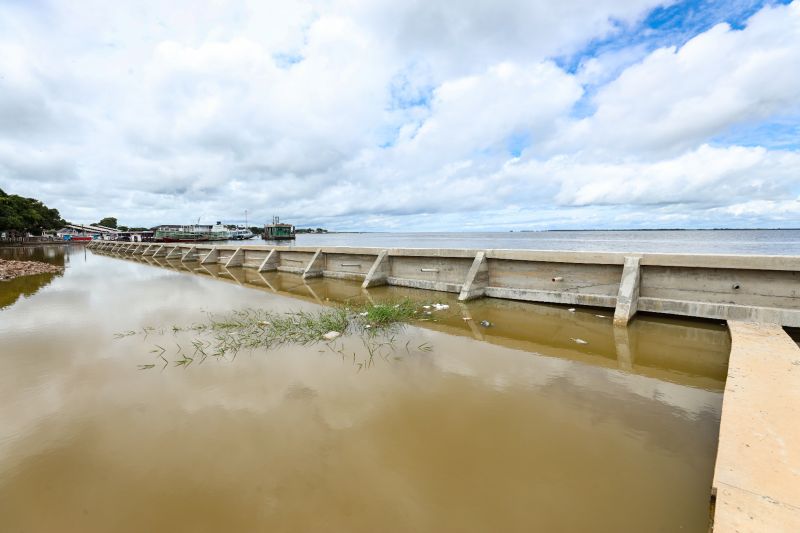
(516, 427)
(763, 242)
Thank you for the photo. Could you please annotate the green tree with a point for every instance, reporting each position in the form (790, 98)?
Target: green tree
(109, 222)
(19, 215)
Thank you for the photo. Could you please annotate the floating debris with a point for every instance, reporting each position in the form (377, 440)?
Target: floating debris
(331, 335)
(601, 316)
(441, 307)
(580, 341)
(467, 318)
(571, 309)
(486, 323)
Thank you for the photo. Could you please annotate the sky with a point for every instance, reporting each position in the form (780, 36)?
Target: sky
(420, 115)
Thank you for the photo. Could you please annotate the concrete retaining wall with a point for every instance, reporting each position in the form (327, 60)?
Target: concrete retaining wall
(738, 287)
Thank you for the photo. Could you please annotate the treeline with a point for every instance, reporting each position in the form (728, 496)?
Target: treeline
(20, 216)
(111, 222)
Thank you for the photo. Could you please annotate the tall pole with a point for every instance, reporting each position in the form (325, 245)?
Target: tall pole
(245, 219)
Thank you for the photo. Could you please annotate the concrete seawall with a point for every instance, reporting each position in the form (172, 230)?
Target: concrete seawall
(763, 289)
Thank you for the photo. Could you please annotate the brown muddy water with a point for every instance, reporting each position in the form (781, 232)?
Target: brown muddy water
(455, 427)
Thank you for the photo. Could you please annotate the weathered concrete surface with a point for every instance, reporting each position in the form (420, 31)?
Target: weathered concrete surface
(628, 297)
(174, 252)
(212, 256)
(236, 259)
(270, 262)
(378, 272)
(190, 255)
(477, 279)
(762, 289)
(315, 266)
(757, 473)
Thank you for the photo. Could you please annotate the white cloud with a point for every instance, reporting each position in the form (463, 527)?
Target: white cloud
(353, 113)
(675, 98)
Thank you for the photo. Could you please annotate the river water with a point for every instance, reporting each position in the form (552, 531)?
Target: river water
(763, 242)
(452, 427)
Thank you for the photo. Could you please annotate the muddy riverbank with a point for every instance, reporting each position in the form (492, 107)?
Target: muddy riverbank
(14, 269)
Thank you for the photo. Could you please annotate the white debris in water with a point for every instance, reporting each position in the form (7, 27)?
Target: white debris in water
(441, 307)
(368, 326)
(331, 335)
(580, 341)
(467, 318)
(426, 306)
(601, 316)
(571, 309)
(363, 314)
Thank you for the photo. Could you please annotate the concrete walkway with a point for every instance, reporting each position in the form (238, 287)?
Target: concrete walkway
(757, 474)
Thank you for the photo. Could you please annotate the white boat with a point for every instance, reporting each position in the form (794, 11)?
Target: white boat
(241, 234)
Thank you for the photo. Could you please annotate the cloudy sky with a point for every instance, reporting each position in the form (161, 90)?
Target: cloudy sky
(413, 115)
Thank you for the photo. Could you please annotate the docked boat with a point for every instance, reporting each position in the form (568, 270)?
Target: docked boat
(191, 233)
(241, 234)
(278, 231)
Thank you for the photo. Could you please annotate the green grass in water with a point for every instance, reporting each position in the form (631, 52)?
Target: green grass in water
(226, 334)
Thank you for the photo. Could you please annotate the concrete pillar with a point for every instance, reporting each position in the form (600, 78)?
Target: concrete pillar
(211, 257)
(315, 266)
(235, 260)
(379, 271)
(477, 279)
(270, 262)
(190, 255)
(628, 297)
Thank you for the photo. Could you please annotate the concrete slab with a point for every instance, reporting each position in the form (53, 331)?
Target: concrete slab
(757, 473)
(743, 512)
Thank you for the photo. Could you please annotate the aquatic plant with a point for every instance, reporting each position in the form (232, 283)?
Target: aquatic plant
(222, 335)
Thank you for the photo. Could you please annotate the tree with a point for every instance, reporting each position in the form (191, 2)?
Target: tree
(109, 222)
(20, 216)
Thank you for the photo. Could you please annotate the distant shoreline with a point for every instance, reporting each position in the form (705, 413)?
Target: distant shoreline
(565, 230)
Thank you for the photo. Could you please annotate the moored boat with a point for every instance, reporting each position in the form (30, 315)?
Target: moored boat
(278, 231)
(191, 233)
(241, 234)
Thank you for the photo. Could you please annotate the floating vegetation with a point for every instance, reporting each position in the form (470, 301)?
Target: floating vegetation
(225, 335)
